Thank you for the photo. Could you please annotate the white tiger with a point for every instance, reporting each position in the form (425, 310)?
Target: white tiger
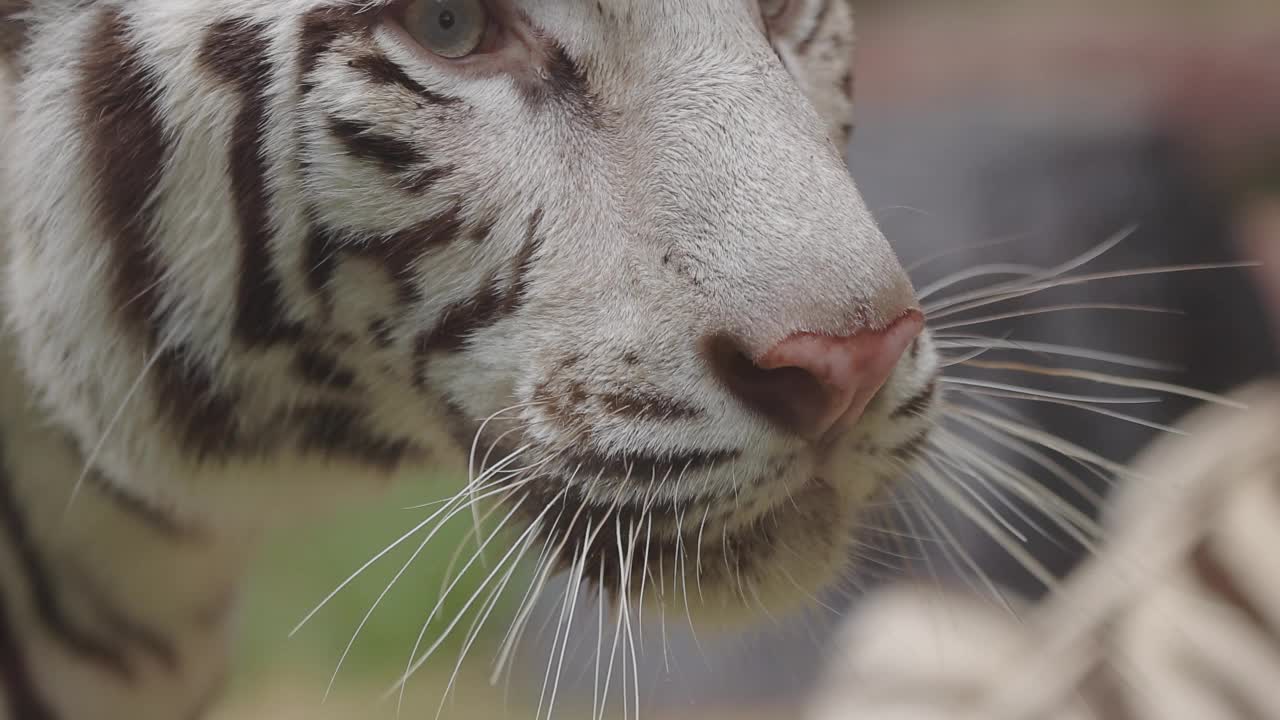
(262, 254)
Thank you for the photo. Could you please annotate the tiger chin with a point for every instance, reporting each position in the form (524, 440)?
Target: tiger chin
(260, 255)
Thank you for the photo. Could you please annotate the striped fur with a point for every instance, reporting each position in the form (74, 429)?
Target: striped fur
(1178, 619)
(262, 254)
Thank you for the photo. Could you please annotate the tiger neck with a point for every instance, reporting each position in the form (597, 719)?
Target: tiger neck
(108, 608)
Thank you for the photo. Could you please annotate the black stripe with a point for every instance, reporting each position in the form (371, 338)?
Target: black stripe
(461, 320)
(19, 690)
(918, 405)
(204, 413)
(359, 139)
(568, 85)
(342, 432)
(395, 156)
(323, 369)
(642, 467)
(398, 253)
(641, 405)
(382, 70)
(320, 29)
(127, 146)
(236, 51)
(421, 181)
(44, 595)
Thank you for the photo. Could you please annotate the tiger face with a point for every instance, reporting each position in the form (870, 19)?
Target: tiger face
(607, 250)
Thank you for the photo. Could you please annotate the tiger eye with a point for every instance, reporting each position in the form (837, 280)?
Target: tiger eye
(449, 28)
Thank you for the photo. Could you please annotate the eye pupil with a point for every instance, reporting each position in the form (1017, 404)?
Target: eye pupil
(447, 20)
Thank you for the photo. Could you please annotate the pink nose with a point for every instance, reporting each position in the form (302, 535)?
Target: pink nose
(813, 384)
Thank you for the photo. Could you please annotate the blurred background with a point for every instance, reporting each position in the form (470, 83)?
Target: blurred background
(989, 132)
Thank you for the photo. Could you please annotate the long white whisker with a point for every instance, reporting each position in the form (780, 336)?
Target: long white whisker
(483, 617)
(942, 464)
(1041, 460)
(993, 530)
(1049, 441)
(378, 602)
(600, 604)
(1112, 380)
(572, 597)
(1073, 263)
(949, 340)
(92, 457)
(1050, 310)
(1048, 394)
(545, 566)
(1083, 529)
(956, 278)
(1086, 407)
(417, 663)
(943, 254)
(387, 550)
(972, 301)
(445, 595)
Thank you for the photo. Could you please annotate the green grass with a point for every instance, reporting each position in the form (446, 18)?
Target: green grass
(299, 568)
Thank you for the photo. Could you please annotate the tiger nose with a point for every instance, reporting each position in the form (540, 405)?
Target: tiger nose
(814, 384)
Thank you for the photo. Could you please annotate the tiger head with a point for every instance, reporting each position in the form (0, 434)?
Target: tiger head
(607, 250)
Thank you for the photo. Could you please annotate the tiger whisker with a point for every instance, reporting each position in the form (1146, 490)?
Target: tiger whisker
(1074, 263)
(972, 301)
(544, 565)
(957, 473)
(516, 631)
(945, 340)
(92, 457)
(595, 682)
(943, 254)
(1029, 397)
(624, 609)
(978, 271)
(702, 526)
(516, 506)
(572, 593)
(647, 520)
(1079, 526)
(1042, 460)
(1049, 441)
(1113, 380)
(1053, 309)
(382, 596)
(950, 362)
(416, 661)
(456, 556)
(448, 509)
(485, 612)
(953, 546)
(901, 510)
(969, 467)
(994, 530)
(613, 654)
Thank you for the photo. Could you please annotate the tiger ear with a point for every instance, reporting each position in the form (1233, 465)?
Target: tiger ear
(13, 29)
